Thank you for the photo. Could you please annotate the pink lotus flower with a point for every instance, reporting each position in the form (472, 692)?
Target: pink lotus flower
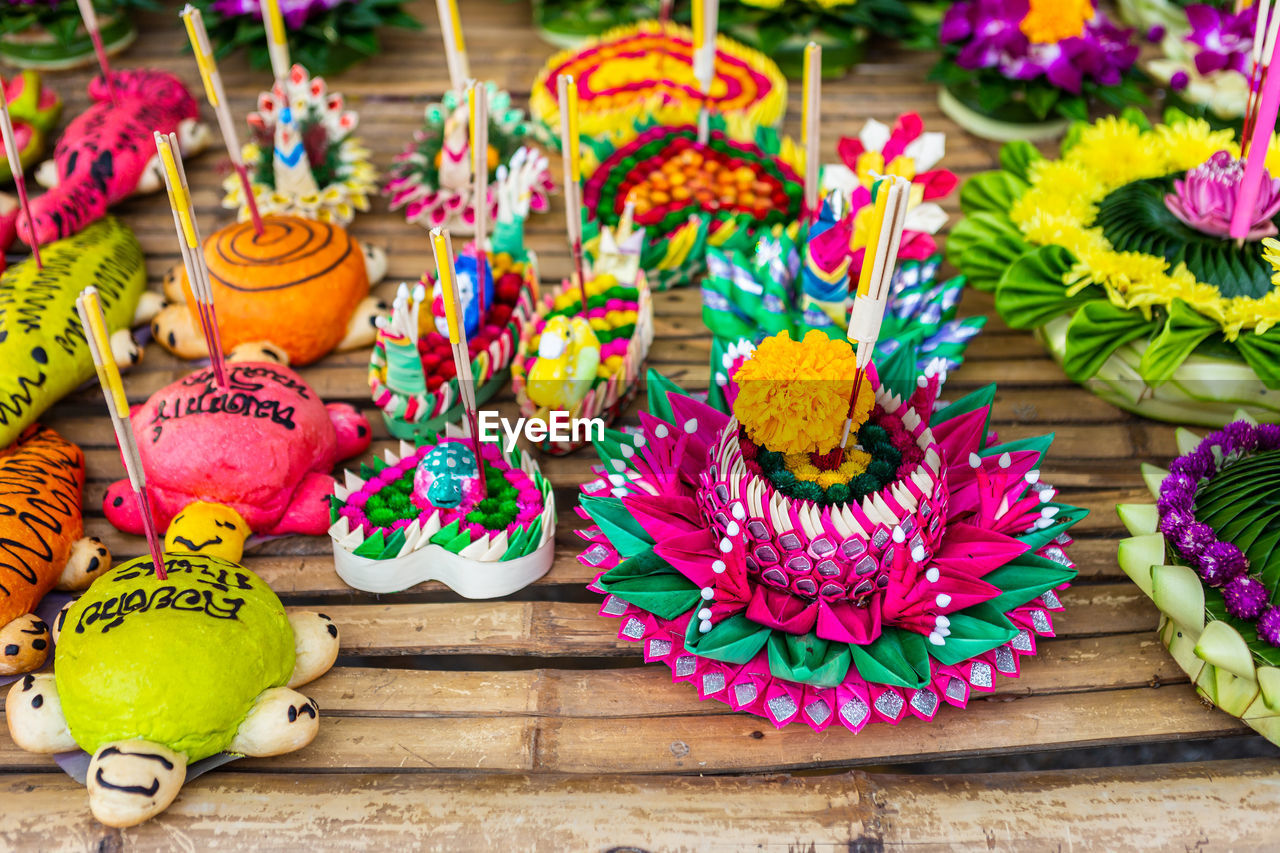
(1206, 198)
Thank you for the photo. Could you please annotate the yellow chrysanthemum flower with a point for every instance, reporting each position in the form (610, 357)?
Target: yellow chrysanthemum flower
(1188, 144)
(793, 396)
(1051, 21)
(1117, 152)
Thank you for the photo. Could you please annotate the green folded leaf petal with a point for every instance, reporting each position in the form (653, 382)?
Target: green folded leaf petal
(1097, 330)
(1031, 291)
(1183, 331)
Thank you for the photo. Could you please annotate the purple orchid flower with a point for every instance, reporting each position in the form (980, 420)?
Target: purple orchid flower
(989, 35)
(1224, 38)
(295, 12)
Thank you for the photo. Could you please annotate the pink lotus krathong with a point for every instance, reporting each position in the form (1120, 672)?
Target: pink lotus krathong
(792, 602)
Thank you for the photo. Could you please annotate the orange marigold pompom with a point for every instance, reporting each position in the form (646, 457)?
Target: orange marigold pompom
(793, 396)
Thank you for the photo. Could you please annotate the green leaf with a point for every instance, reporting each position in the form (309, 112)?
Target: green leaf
(1183, 331)
(808, 659)
(734, 640)
(897, 658)
(1076, 109)
(993, 192)
(1096, 331)
(1262, 354)
(658, 387)
(1026, 578)
(974, 631)
(618, 524)
(650, 583)
(1040, 99)
(1017, 158)
(1031, 292)
(982, 245)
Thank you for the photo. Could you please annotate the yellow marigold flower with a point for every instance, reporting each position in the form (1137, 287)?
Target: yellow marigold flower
(1117, 152)
(1051, 21)
(793, 395)
(764, 4)
(1188, 144)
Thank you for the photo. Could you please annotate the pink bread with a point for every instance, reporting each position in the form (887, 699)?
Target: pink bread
(265, 449)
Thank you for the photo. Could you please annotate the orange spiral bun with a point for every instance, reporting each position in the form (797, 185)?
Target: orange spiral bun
(296, 284)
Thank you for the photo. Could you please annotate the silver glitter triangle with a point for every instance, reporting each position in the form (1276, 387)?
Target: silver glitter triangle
(980, 674)
(925, 702)
(686, 665)
(659, 648)
(745, 693)
(956, 690)
(633, 629)
(781, 707)
(854, 711)
(818, 710)
(614, 606)
(889, 703)
(712, 682)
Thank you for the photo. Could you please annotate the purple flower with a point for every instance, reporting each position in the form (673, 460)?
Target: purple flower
(1245, 597)
(1179, 81)
(1174, 500)
(1206, 198)
(1269, 625)
(1155, 34)
(1192, 465)
(1195, 538)
(1220, 562)
(1268, 436)
(1173, 524)
(989, 35)
(1225, 39)
(295, 12)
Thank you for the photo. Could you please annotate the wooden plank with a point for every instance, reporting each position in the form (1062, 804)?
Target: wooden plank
(568, 629)
(725, 743)
(850, 811)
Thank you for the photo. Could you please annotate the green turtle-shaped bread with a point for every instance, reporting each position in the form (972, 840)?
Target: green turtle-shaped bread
(151, 675)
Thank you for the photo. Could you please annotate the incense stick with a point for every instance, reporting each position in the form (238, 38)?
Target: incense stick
(810, 121)
(567, 89)
(217, 97)
(90, 18)
(455, 47)
(89, 307)
(277, 39)
(189, 243)
(478, 101)
(446, 274)
(15, 167)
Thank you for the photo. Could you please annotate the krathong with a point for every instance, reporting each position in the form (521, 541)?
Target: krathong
(644, 73)
(800, 277)
(909, 573)
(431, 179)
(1117, 254)
(1021, 69)
(688, 195)
(1205, 553)
(304, 158)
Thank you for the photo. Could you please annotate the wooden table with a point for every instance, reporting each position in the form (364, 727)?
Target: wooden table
(524, 722)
